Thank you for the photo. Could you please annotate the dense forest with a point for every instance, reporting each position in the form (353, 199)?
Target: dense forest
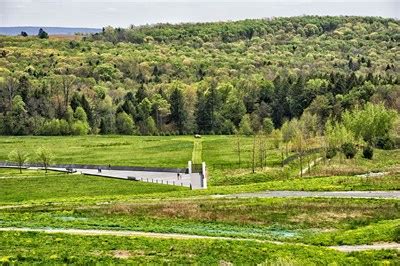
(208, 78)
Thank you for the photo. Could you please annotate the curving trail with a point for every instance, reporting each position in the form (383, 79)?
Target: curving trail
(97, 232)
(316, 194)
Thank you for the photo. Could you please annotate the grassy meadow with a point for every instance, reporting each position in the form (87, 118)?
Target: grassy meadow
(69, 249)
(34, 199)
(138, 150)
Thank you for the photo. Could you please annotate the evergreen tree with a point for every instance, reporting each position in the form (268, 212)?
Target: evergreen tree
(203, 114)
(178, 114)
(88, 110)
(42, 34)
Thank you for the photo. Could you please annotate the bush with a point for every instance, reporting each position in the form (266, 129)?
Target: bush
(125, 124)
(385, 143)
(79, 128)
(397, 234)
(349, 150)
(368, 152)
(51, 128)
(330, 153)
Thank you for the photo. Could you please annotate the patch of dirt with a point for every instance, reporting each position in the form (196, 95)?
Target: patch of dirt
(224, 263)
(121, 254)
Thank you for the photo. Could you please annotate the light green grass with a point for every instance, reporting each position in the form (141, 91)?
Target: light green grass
(197, 151)
(37, 186)
(278, 219)
(382, 231)
(171, 151)
(40, 248)
(105, 150)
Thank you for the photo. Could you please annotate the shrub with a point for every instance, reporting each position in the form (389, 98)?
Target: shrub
(330, 153)
(385, 143)
(125, 124)
(349, 150)
(368, 152)
(79, 128)
(51, 128)
(397, 234)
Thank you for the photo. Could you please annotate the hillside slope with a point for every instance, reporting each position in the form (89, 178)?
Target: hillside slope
(205, 77)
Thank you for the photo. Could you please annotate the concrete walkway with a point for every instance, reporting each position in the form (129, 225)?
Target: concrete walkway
(167, 178)
(316, 194)
(145, 176)
(96, 232)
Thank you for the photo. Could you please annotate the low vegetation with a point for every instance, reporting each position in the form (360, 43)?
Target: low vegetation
(31, 248)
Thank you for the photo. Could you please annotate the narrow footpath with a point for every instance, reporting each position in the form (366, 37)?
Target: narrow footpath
(96, 232)
(316, 194)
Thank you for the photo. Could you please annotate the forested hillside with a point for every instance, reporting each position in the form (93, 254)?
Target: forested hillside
(205, 78)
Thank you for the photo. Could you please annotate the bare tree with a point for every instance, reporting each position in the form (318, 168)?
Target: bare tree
(238, 145)
(18, 156)
(67, 84)
(276, 141)
(253, 155)
(11, 85)
(262, 149)
(288, 132)
(299, 145)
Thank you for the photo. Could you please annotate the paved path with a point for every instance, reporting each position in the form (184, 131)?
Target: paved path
(317, 194)
(95, 232)
(168, 178)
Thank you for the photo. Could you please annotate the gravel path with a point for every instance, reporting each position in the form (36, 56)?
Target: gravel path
(95, 232)
(375, 246)
(317, 194)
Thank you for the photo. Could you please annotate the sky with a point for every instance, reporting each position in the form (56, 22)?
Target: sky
(123, 13)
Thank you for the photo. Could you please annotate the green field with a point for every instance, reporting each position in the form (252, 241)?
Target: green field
(61, 249)
(37, 200)
(137, 150)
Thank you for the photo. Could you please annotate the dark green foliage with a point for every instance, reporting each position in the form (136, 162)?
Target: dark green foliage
(24, 34)
(385, 143)
(330, 153)
(349, 150)
(268, 125)
(397, 234)
(368, 152)
(178, 114)
(42, 34)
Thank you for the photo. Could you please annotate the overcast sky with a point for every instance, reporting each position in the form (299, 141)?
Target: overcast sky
(122, 13)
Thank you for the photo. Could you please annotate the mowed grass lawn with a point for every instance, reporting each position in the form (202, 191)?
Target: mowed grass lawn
(39, 248)
(34, 185)
(219, 152)
(105, 150)
(166, 151)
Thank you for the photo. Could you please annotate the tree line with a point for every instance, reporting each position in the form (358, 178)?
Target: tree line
(207, 78)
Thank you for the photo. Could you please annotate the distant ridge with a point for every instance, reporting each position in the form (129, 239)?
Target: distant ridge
(33, 30)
